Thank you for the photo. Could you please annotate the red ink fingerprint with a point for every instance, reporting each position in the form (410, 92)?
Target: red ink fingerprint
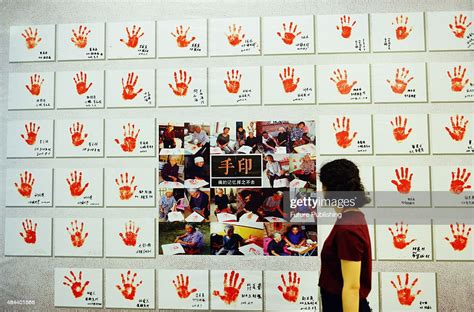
(231, 290)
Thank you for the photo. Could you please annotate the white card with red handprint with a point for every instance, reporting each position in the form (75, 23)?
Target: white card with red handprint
(80, 89)
(130, 288)
(182, 38)
(401, 82)
(452, 82)
(345, 134)
(234, 85)
(28, 237)
(130, 137)
(401, 134)
(393, 32)
(78, 287)
(236, 290)
(291, 291)
(130, 88)
(452, 133)
(450, 30)
(29, 187)
(32, 43)
(183, 289)
(30, 139)
(344, 83)
(31, 91)
(182, 86)
(290, 84)
(129, 40)
(343, 33)
(288, 34)
(130, 237)
(84, 41)
(412, 291)
(78, 237)
(79, 187)
(453, 240)
(234, 36)
(130, 187)
(79, 137)
(452, 186)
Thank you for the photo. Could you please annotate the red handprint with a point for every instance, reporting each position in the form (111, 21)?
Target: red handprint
(343, 137)
(288, 79)
(131, 233)
(77, 239)
(399, 129)
(129, 138)
(459, 128)
(75, 184)
(403, 182)
(81, 83)
(26, 184)
(404, 294)
(128, 92)
(459, 180)
(80, 37)
(289, 34)
(133, 37)
(291, 291)
(182, 287)
(346, 26)
(75, 284)
(31, 38)
(400, 236)
(181, 86)
(234, 37)
(29, 236)
(401, 81)
(457, 84)
(460, 236)
(35, 84)
(126, 189)
(459, 27)
(402, 31)
(128, 288)
(180, 36)
(77, 137)
(31, 133)
(233, 83)
(231, 290)
(341, 82)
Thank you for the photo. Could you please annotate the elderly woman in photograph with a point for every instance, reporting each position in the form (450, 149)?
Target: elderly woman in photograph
(168, 136)
(170, 170)
(167, 203)
(192, 240)
(223, 141)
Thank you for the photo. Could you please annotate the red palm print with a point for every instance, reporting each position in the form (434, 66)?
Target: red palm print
(459, 181)
(75, 284)
(181, 85)
(346, 26)
(403, 182)
(399, 128)
(288, 79)
(77, 137)
(457, 84)
(234, 36)
(75, 184)
(29, 236)
(132, 37)
(129, 238)
(402, 31)
(81, 83)
(128, 287)
(458, 128)
(31, 133)
(291, 290)
(404, 292)
(340, 80)
(77, 237)
(231, 290)
(129, 138)
(289, 34)
(126, 189)
(180, 36)
(232, 83)
(26, 184)
(460, 236)
(79, 38)
(35, 84)
(401, 81)
(459, 27)
(31, 38)
(343, 138)
(400, 236)
(128, 92)
(182, 286)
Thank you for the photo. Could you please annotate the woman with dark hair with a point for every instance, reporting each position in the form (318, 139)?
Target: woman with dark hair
(346, 259)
